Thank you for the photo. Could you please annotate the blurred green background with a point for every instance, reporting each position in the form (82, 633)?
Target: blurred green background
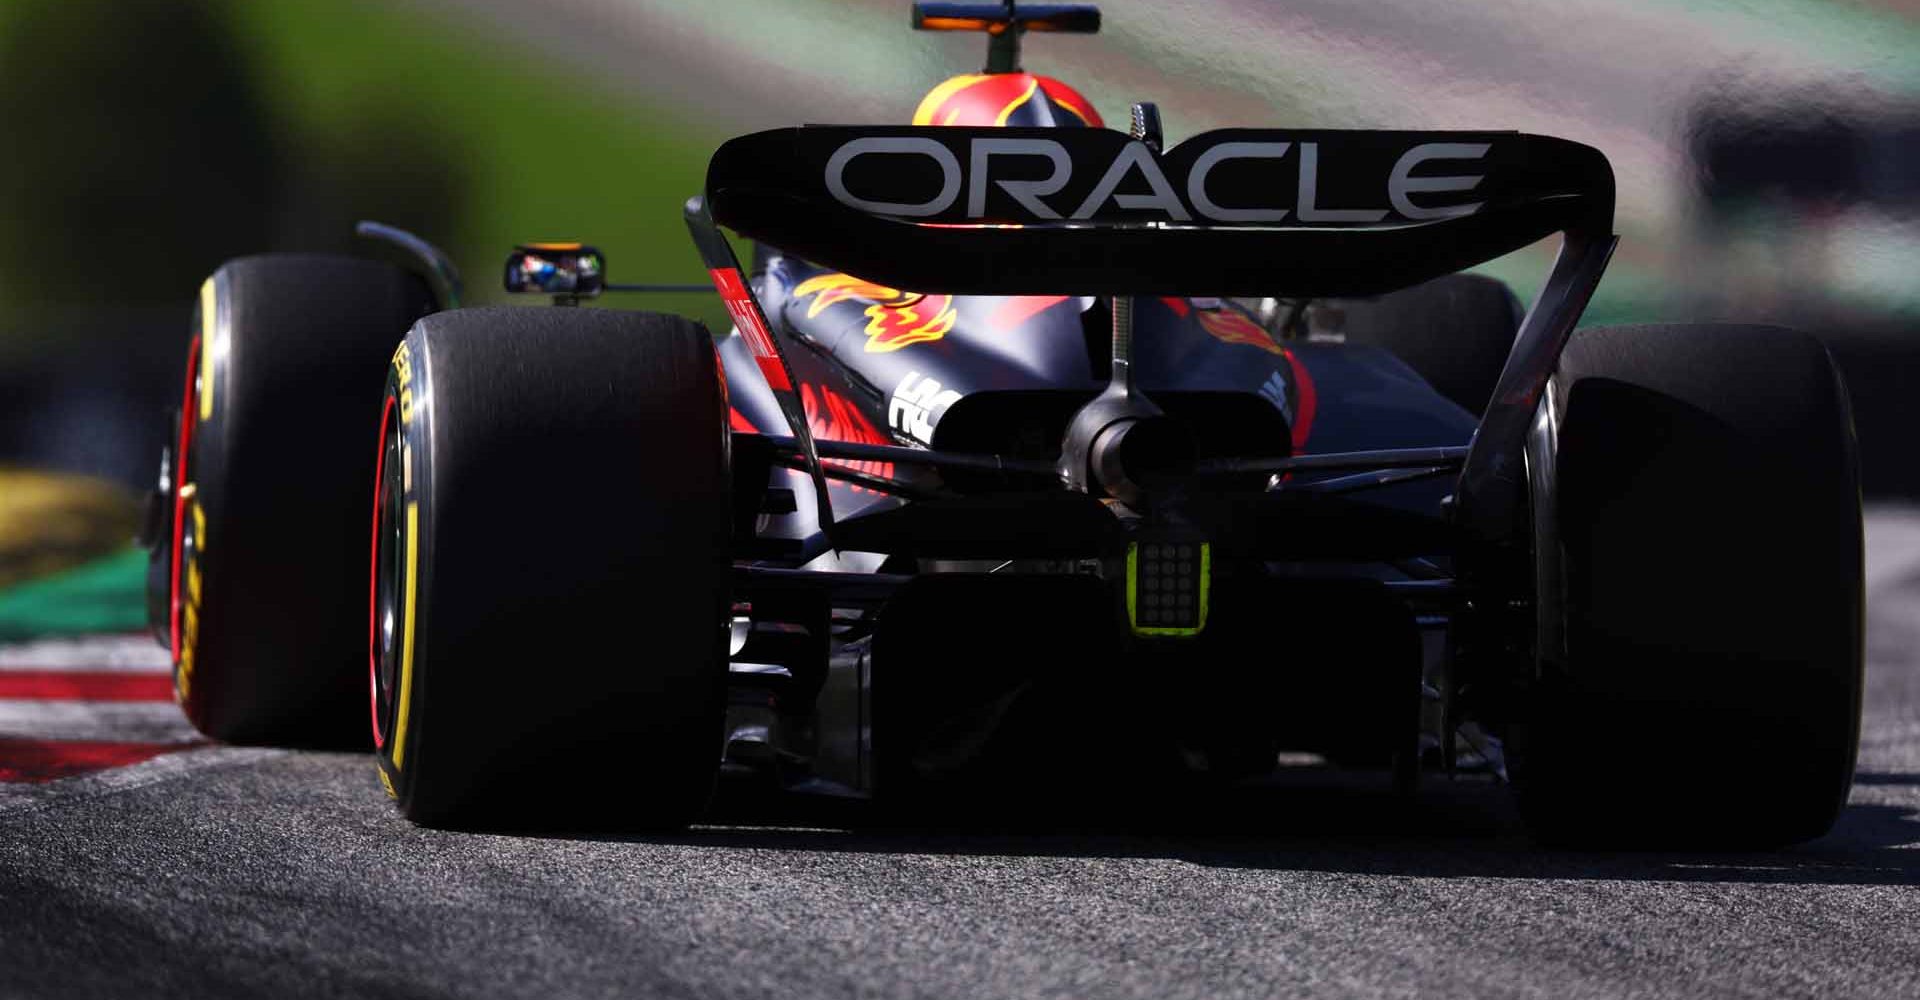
(148, 140)
(152, 140)
(159, 138)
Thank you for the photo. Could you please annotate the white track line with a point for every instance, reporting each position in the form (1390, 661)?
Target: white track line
(135, 653)
(110, 721)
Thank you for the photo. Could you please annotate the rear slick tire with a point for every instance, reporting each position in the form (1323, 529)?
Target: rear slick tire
(551, 570)
(1699, 586)
(258, 580)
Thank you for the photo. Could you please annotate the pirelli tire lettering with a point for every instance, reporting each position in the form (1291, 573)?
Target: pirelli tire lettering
(192, 588)
(403, 377)
(190, 538)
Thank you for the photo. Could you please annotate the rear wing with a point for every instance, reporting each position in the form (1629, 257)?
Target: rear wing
(1245, 212)
(1233, 212)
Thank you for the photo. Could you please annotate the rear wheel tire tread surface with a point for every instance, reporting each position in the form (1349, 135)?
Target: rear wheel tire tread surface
(570, 475)
(1707, 523)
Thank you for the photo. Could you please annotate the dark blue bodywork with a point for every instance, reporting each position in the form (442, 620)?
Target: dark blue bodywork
(1330, 396)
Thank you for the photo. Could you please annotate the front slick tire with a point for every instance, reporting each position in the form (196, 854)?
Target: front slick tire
(1698, 540)
(551, 566)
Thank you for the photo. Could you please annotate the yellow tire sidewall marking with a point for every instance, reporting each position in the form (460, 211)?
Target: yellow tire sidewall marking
(209, 330)
(402, 377)
(406, 651)
(191, 601)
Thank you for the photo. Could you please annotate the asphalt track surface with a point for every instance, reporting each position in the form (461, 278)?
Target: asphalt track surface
(200, 871)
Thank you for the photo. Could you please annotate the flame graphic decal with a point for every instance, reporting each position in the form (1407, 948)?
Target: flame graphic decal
(832, 288)
(895, 319)
(891, 327)
(1232, 327)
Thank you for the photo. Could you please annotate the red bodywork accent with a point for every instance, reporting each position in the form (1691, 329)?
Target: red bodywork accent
(1017, 309)
(833, 417)
(1072, 100)
(1305, 401)
(373, 577)
(88, 685)
(179, 472)
(739, 422)
(746, 317)
(1180, 307)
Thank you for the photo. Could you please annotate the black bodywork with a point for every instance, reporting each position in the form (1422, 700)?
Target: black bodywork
(946, 495)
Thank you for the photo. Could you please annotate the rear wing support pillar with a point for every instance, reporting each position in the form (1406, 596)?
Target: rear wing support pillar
(762, 342)
(1493, 479)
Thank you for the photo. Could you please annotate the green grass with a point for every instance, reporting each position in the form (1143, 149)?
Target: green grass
(106, 595)
(548, 151)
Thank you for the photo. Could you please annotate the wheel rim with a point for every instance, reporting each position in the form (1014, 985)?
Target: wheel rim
(386, 637)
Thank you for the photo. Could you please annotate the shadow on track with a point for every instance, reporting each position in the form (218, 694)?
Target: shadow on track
(1318, 821)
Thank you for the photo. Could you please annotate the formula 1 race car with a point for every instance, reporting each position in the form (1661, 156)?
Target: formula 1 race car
(1038, 456)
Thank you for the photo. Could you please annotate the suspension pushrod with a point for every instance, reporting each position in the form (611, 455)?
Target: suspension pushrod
(1387, 458)
(912, 456)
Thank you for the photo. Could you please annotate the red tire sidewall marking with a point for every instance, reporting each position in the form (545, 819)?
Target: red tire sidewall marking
(187, 413)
